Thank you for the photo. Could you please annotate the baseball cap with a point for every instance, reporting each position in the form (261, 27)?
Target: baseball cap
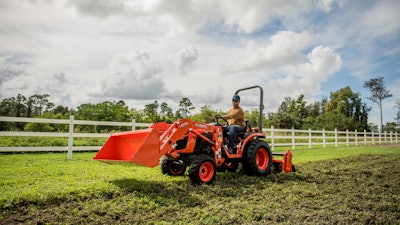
(236, 98)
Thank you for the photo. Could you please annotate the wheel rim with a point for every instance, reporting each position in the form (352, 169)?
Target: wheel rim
(262, 159)
(206, 171)
(176, 169)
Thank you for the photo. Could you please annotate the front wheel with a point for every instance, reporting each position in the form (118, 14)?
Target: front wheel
(202, 170)
(172, 167)
(257, 159)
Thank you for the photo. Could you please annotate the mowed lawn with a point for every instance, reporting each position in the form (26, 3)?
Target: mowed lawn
(345, 185)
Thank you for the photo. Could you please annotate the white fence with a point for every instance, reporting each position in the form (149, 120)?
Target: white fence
(293, 138)
(71, 134)
(276, 137)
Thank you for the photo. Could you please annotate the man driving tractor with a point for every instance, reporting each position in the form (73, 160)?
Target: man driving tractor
(236, 122)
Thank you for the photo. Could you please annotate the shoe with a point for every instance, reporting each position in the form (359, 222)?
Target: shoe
(230, 150)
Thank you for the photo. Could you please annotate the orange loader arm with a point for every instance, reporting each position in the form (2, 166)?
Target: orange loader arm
(145, 147)
(184, 127)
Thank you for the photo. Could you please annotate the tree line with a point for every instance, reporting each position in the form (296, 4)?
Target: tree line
(39, 106)
(343, 110)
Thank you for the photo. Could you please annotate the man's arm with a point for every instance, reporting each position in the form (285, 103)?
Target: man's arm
(233, 115)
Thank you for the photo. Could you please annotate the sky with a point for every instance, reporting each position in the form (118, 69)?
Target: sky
(139, 51)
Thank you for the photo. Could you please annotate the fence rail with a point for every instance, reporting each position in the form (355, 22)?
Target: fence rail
(71, 134)
(276, 137)
(293, 138)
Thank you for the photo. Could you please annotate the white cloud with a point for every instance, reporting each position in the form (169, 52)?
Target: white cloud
(186, 59)
(282, 49)
(183, 16)
(59, 87)
(362, 31)
(326, 5)
(180, 16)
(381, 20)
(176, 16)
(9, 70)
(322, 62)
(132, 76)
(249, 16)
(106, 8)
(306, 78)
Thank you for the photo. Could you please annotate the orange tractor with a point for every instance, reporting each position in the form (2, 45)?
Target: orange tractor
(199, 146)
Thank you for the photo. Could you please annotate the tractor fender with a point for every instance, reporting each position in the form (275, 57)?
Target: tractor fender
(249, 138)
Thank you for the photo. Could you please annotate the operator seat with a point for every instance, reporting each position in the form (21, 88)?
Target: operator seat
(246, 132)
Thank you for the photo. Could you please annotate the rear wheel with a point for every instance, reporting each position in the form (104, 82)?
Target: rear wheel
(257, 159)
(202, 170)
(172, 167)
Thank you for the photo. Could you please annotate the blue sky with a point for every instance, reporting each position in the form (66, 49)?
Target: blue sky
(81, 51)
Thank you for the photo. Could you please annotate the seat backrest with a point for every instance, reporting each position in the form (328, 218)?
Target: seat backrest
(248, 127)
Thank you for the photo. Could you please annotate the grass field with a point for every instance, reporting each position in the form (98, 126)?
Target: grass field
(347, 185)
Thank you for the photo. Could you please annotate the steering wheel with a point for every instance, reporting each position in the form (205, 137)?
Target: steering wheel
(216, 120)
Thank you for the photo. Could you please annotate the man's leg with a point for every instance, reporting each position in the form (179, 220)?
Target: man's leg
(233, 130)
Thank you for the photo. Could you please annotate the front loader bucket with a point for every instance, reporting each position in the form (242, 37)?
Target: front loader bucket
(139, 147)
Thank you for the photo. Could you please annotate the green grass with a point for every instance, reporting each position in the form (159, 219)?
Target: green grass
(347, 185)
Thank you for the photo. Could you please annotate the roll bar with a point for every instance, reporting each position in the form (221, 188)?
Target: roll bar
(261, 107)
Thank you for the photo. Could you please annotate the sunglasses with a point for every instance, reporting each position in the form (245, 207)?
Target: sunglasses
(233, 100)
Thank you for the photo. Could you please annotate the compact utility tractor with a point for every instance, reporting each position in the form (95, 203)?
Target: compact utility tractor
(201, 147)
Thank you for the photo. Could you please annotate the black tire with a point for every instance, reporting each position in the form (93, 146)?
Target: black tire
(257, 159)
(172, 167)
(202, 170)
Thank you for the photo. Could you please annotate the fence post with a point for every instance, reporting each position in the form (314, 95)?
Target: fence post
(336, 138)
(324, 138)
(293, 140)
(347, 137)
(309, 138)
(272, 138)
(71, 136)
(385, 137)
(356, 137)
(133, 124)
(365, 137)
(380, 137)
(396, 138)
(391, 138)
(373, 138)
